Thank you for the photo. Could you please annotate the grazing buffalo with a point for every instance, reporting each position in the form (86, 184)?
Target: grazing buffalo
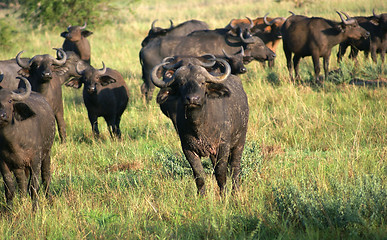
(105, 94)
(10, 73)
(315, 37)
(183, 29)
(43, 72)
(198, 43)
(76, 41)
(210, 112)
(27, 130)
(266, 28)
(376, 25)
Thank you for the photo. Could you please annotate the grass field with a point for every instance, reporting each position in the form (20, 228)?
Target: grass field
(314, 165)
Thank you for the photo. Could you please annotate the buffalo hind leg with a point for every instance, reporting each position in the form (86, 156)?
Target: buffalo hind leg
(326, 66)
(235, 165)
(316, 64)
(296, 64)
(289, 65)
(61, 126)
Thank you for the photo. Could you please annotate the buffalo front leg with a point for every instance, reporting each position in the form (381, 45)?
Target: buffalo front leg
(296, 63)
(289, 65)
(94, 125)
(221, 167)
(9, 185)
(198, 171)
(235, 165)
(326, 67)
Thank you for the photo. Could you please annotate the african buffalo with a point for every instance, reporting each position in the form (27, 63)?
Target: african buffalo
(105, 94)
(42, 71)
(182, 29)
(27, 130)
(210, 113)
(198, 43)
(315, 37)
(267, 29)
(376, 25)
(76, 41)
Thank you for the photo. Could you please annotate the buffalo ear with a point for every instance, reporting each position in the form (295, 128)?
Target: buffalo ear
(164, 94)
(75, 83)
(24, 72)
(375, 22)
(340, 27)
(106, 80)
(86, 33)
(217, 90)
(64, 34)
(22, 111)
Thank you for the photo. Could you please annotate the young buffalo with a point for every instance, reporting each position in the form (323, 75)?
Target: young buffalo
(105, 94)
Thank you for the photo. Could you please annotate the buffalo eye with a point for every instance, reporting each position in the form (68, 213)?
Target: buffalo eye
(10, 100)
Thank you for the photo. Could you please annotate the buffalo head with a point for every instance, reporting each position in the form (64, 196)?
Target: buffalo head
(91, 77)
(155, 32)
(273, 27)
(241, 29)
(41, 66)
(75, 33)
(351, 27)
(192, 83)
(12, 106)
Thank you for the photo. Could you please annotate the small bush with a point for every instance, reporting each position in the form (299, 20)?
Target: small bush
(6, 35)
(52, 13)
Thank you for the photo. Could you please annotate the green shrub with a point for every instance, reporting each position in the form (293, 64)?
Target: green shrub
(61, 13)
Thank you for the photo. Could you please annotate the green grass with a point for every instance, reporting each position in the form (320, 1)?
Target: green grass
(314, 165)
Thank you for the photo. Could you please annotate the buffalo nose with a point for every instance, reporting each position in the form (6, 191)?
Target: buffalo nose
(91, 89)
(367, 34)
(3, 115)
(46, 75)
(243, 70)
(191, 99)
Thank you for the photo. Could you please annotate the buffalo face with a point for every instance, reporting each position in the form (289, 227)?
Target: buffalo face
(258, 51)
(75, 33)
(351, 28)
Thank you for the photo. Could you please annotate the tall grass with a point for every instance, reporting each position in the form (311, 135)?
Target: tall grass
(314, 165)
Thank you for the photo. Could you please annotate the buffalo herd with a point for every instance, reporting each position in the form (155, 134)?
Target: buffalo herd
(196, 71)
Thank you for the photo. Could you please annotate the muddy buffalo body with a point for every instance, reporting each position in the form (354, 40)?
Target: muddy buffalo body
(304, 36)
(105, 94)
(27, 130)
(210, 113)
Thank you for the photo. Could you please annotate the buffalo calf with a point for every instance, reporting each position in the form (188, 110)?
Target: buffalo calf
(105, 94)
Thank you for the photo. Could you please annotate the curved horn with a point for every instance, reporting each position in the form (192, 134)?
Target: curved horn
(211, 58)
(373, 13)
(242, 51)
(168, 59)
(293, 14)
(248, 40)
(170, 20)
(173, 66)
(79, 71)
(153, 24)
(346, 15)
(225, 54)
(159, 82)
(62, 57)
(103, 69)
(222, 77)
(26, 94)
(20, 63)
(265, 20)
(1, 75)
(251, 22)
(342, 18)
(84, 26)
